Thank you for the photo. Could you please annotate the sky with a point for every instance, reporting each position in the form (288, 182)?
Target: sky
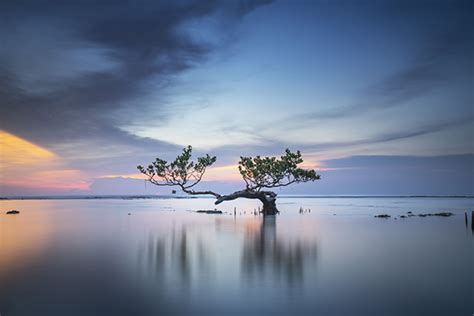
(377, 95)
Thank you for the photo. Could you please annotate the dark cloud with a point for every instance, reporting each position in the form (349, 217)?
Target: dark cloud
(76, 70)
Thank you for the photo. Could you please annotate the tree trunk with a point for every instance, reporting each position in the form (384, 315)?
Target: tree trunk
(267, 198)
(269, 206)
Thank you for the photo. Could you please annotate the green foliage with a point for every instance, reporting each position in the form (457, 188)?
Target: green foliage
(270, 172)
(182, 171)
(257, 172)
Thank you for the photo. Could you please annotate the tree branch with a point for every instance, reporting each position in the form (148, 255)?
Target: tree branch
(192, 192)
(248, 194)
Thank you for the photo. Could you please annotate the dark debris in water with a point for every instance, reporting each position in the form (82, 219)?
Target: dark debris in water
(13, 212)
(209, 211)
(442, 214)
(410, 214)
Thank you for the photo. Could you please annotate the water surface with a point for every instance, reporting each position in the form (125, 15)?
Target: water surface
(89, 257)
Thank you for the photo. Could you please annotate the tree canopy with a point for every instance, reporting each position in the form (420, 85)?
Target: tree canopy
(270, 172)
(258, 173)
(181, 172)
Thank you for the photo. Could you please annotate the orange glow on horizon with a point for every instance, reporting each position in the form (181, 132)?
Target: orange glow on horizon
(223, 173)
(24, 164)
(15, 150)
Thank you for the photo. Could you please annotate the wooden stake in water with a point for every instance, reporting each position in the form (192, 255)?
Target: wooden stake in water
(235, 211)
(465, 218)
(472, 221)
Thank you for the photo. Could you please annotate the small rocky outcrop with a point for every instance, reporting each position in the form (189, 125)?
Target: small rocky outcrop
(12, 212)
(382, 216)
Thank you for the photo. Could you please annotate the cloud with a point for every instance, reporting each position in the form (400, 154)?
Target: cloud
(78, 70)
(397, 135)
(272, 146)
(73, 73)
(403, 175)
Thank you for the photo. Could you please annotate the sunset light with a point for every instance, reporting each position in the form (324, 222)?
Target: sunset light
(24, 164)
(236, 157)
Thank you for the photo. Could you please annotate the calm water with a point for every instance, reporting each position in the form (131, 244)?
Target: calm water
(89, 257)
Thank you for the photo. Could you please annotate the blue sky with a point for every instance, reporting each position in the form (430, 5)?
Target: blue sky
(103, 87)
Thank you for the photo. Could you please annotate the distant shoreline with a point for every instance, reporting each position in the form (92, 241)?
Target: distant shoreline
(164, 197)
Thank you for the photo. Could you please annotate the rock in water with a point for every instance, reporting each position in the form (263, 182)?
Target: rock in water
(383, 216)
(13, 212)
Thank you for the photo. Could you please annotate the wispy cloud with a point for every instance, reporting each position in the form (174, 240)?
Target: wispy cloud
(396, 135)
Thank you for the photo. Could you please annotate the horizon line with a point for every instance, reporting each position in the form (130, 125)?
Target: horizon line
(148, 196)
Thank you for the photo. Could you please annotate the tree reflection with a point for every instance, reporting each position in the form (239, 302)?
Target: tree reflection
(185, 254)
(264, 252)
(174, 256)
